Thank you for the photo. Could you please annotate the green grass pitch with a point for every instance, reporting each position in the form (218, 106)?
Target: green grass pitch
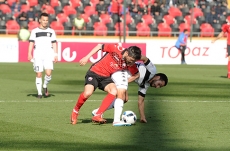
(191, 114)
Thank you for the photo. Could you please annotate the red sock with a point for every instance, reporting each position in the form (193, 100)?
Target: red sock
(228, 68)
(81, 100)
(105, 103)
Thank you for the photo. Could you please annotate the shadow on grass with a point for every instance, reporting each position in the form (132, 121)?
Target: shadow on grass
(43, 96)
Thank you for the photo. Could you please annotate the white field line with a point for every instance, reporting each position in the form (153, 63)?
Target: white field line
(47, 101)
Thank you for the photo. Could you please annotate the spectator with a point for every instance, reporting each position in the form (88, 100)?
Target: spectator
(134, 8)
(23, 34)
(155, 9)
(170, 3)
(180, 4)
(101, 7)
(22, 17)
(220, 9)
(16, 7)
(79, 24)
(31, 14)
(212, 18)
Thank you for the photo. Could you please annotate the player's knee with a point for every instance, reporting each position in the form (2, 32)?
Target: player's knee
(87, 94)
(38, 75)
(113, 91)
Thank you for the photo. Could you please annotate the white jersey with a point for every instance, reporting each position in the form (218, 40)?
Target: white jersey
(147, 72)
(43, 39)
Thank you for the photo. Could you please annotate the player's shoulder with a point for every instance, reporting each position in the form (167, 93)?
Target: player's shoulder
(225, 26)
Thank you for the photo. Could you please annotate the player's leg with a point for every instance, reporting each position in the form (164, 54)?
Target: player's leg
(108, 86)
(228, 49)
(182, 49)
(48, 65)
(38, 68)
(91, 84)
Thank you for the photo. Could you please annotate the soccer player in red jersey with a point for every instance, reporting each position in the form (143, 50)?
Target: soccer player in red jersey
(99, 75)
(226, 29)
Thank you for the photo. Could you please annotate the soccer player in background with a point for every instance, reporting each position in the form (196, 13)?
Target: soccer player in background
(181, 44)
(148, 77)
(115, 59)
(43, 41)
(226, 29)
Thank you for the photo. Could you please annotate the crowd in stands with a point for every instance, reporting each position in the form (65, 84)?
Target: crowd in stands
(98, 17)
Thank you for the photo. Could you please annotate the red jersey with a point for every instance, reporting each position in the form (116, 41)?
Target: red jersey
(111, 62)
(226, 28)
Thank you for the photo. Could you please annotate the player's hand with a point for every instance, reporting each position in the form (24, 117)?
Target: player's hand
(83, 61)
(55, 59)
(30, 57)
(213, 41)
(143, 120)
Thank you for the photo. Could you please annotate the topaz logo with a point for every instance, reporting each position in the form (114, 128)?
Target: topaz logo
(67, 56)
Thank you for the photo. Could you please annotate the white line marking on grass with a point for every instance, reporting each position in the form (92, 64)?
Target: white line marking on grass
(47, 101)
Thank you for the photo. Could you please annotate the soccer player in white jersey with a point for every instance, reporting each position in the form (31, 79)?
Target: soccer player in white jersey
(43, 41)
(148, 78)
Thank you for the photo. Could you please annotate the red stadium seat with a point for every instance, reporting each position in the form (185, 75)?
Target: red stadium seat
(10, 2)
(99, 29)
(164, 30)
(115, 7)
(12, 27)
(169, 19)
(129, 19)
(197, 12)
(184, 26)
(105, 18)
(205, 25)
(5, 8)
(25, 8)
(85, 17)
(89, 10)
(174, 11)
(61, 17)
(57, 27)
(32, 25)
(49, 9)
(146, 2)
(143, 29)
(55, 3)
(75, 3)
(69, 10)
(208, 31)
(187, 19)
(119, 28)
(32, 2)
(148, 19)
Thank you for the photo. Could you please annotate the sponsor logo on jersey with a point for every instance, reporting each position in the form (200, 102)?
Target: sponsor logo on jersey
(90, 78)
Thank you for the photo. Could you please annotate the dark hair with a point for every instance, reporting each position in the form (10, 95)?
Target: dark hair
(185, 30)
(163, 77)
(134, 52)
(43, 14)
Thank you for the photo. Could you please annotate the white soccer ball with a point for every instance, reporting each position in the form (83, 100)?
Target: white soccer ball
(129, 117)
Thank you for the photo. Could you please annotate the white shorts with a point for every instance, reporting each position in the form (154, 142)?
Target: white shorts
(120, 78)
(40, 64)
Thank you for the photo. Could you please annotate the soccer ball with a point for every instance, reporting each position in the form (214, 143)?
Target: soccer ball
(129, 117)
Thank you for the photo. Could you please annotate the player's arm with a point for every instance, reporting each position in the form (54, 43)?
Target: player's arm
(141, 107)
(85, 59)
(221, 34)
(133, 77)
(31, 46)
(54, 45)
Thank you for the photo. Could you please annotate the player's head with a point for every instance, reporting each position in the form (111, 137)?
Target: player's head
(228, 20)
(159, 80)
(131, 55)
(186, 31)
(44, 20)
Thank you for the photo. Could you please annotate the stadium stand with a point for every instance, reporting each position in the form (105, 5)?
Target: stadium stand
(141, 22)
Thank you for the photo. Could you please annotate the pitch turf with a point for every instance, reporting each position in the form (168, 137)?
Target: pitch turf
(190, 114)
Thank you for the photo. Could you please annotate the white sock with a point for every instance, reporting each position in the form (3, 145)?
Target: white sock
(118, 107)
(38, 83)
(46, 81)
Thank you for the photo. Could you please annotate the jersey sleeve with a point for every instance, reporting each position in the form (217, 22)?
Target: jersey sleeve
(150, 67)
(133, 69)
(142, 90)
(32, 36)
(53, 37)
(108, 48)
